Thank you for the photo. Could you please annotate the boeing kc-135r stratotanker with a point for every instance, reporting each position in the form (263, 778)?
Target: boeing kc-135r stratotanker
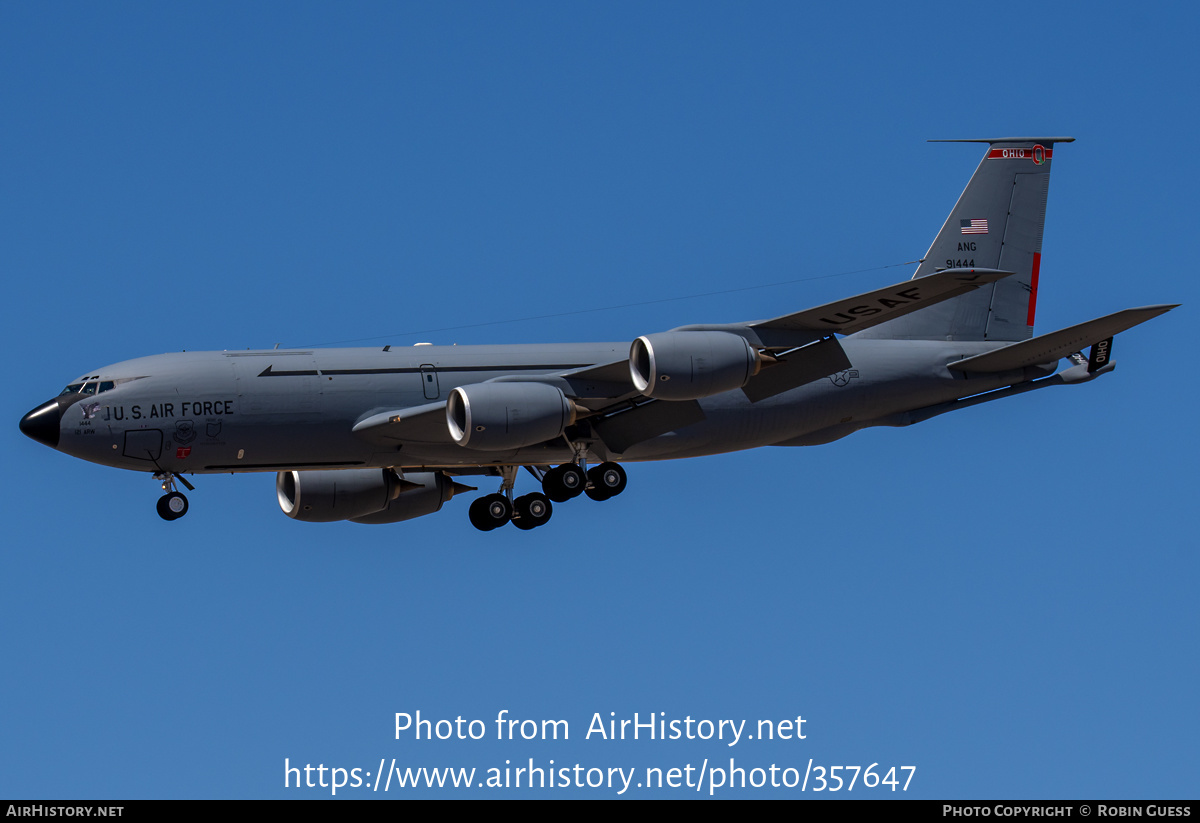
(379, 435)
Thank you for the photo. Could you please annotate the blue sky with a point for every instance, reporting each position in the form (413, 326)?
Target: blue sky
(1003, 598)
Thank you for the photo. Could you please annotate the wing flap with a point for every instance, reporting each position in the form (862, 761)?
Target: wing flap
(1047, 348)
(804, 365)
(646, 421)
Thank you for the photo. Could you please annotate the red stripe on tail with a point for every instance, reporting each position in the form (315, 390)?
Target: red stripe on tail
(1037, 265)
(1037, 154)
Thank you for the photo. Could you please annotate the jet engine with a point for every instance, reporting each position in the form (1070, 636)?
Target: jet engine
(688, 365)
(362, 495)
(503, 416)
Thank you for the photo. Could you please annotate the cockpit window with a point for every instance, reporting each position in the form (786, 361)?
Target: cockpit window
(90, 387)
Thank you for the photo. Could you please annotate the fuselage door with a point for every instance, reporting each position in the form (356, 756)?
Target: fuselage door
(429, 382)
(144, 444)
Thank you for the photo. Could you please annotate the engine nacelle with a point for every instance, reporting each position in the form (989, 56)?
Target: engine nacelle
(503, 416)
(423, 493)
(361, 495)
(688, 365)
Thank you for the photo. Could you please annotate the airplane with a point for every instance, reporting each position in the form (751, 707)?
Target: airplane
(379, 435)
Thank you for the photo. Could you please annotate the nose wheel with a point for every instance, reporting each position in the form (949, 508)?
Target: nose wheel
(172, 505)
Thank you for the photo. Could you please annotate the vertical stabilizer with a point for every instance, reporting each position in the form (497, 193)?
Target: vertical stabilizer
(996, 224)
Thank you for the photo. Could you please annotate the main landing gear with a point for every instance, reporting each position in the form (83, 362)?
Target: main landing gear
(559, 485)
(172, 505)
(605, 481)
(526, 512)
(564, 482)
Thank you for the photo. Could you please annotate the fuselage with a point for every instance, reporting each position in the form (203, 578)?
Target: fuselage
(244, 411)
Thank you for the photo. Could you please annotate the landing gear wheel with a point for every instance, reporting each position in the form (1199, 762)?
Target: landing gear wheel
(564, 482)
(172, 506)
(490, 512)
(605, 481)
(532, 510)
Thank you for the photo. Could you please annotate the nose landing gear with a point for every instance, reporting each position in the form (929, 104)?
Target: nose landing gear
(172, 505)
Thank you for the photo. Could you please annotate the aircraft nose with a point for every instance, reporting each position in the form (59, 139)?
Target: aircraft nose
(42, 423)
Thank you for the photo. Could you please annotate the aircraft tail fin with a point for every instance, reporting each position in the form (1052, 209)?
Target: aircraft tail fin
(996, 224)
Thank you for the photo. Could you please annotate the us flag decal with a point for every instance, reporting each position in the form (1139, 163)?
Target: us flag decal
(973, 226)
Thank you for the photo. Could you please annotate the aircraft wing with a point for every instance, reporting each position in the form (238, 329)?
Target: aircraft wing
(599, 386)
(1047, 348)
(865, 310)
(419, 424)
(621, 416)
(804, 332)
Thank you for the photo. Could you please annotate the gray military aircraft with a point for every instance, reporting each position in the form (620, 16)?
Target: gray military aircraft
(378, 435)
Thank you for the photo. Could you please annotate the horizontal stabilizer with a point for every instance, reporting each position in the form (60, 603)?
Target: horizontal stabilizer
(865, 310)
(1048, 348)
(419, 424)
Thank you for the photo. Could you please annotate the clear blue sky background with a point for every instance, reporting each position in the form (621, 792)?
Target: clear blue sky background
(1004, 598)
